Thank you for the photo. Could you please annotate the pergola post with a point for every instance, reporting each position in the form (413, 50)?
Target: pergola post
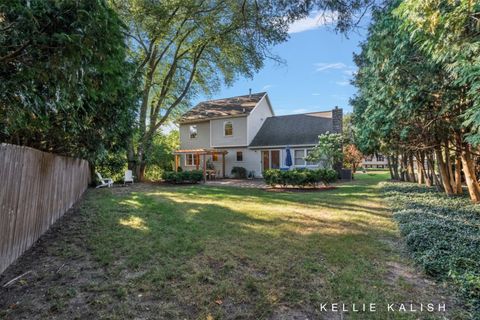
(223, 164)
(176, 162)
(204, 167)
(196, 159)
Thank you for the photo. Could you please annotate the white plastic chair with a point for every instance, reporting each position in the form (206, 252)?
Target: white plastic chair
(128, 177)
(104, 182)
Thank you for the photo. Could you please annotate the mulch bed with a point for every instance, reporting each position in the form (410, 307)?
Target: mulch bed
(291, 189)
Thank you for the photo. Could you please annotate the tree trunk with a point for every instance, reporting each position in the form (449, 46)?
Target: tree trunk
(389, 163)
(403, 168)
(469, 172)
(448, 164)
(458, 174)
(395, 166)
(431, 165)
(421, 176)
(443, 172)
(410, 169)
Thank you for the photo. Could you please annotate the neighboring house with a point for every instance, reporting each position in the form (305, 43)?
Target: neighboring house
(247, 131)
(375, 161)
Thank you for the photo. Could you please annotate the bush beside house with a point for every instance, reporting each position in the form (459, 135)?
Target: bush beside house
(239, 172)
(299, 177)
(193, 176)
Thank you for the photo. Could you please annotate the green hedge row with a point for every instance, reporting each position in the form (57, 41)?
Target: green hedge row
(193, 176)
(442, 234)
(299, 177)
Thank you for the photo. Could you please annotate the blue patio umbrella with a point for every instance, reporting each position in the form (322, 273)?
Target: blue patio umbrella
(288, 159)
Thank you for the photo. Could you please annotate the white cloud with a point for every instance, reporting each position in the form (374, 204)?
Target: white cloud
(314, 21)
(267, 86)
(316, 94)
(322, 66)
(343, 83)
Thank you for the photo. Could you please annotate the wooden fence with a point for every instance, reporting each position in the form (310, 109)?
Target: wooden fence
(36, 188)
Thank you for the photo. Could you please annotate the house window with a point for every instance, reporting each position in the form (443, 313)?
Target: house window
(214, 156)
(228, 128)
(193, 132)
(239, 156)
(380, 157)
(299, 157)
(192, 159)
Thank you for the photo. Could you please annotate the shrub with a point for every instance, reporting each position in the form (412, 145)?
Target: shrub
(239, 172)
(442, 234)
(193, 176)
(299, 177)
(153, 173)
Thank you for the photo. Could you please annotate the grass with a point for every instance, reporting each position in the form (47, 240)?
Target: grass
(204, 252)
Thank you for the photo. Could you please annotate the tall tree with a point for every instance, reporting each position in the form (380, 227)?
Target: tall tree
(410, 104)
(65, 85)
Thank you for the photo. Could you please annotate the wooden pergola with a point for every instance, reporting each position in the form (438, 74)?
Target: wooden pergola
(201, 152)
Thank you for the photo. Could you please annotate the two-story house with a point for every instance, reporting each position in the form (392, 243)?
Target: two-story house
(244, 132)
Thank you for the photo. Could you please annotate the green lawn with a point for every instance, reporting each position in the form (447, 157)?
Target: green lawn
(203, 252)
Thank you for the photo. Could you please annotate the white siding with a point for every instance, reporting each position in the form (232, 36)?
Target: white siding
(251, 161)
(257, 117)
(239, 137)
(201, 141)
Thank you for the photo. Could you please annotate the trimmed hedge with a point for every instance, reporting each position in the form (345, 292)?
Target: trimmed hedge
(442, 233)
(193, 176)
(299, 177)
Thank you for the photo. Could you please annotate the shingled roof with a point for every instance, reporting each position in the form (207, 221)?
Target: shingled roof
(227, 107)
(296, 129)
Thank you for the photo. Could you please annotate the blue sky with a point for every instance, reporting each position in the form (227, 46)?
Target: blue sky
(315, 76)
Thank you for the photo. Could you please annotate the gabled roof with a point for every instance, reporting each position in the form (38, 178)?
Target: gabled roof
(220, 108)
(296, 129)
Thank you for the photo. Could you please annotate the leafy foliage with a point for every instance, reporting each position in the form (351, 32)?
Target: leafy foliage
(65, 85)
(112, 165)
(410, 100)
(443, 235)
(352, 157)
(239, 172)
(449, 33)
(328, 149)
(193, 176)
(161, 157)
(299, 177)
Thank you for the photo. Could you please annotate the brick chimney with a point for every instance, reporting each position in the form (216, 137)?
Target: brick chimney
(337, 119)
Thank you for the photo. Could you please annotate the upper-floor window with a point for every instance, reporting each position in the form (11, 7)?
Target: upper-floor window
(380, 157)
(239, 156)
(193, 132)
(228, 128)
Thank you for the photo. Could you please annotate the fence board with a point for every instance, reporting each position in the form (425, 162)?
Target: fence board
(36, 188)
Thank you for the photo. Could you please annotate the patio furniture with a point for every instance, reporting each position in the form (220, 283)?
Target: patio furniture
(211, 174)
(128, 177)
(104, 182)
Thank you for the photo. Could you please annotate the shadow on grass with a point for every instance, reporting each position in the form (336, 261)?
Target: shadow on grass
(258, 261)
